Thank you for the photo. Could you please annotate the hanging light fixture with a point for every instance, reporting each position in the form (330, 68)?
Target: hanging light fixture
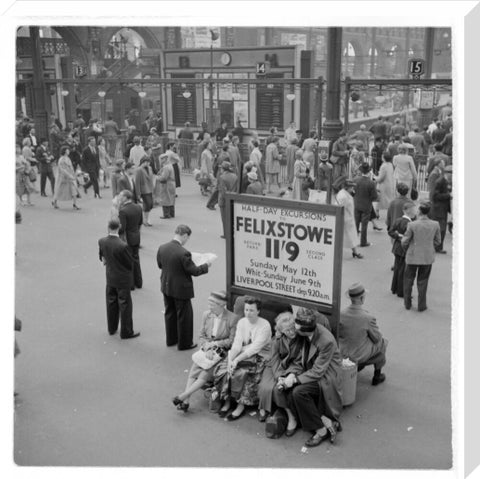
(290, 96)
(101, 93)
(186, 94)
(65, 92)
(142, 94)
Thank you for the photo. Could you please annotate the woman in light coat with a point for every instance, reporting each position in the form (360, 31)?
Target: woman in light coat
(206, 168)
(66, 181)
(343, 189)
(299, 174)
(166, 189)
(385, 182)
(405, 171)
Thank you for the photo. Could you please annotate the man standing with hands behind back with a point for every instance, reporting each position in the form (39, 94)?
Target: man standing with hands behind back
(177, 287)
(115, 255)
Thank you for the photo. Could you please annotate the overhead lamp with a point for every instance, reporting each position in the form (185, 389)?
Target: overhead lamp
(186, 94)
(142, 94)
(65, 92)
(101, 93)
(236, 96)
(290, 96)
(214, 35)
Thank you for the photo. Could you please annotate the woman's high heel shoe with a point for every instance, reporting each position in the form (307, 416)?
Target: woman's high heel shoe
(183, 406)
(75, 207)
(54, 204)
(357, 255)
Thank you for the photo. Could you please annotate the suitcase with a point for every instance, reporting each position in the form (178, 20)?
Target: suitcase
(276, 424)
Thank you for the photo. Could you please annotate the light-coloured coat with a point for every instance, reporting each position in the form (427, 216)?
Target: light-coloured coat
(358, 335)
(225, 332)
(350, 235)
(165, 186)
(66, 182)
(421, 239)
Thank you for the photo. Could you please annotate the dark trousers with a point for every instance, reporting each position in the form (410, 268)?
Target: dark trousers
(362, 218)
(168, 211)
(119, 305)
(378, 360)
(137, 271)
(398, 272)
(422, 273)
(178, 322)
(443, 231)
(213, 200)
(93, 181)
(44, 174)
(305, 401)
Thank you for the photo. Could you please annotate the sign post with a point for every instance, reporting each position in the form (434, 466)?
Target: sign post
(285, 251)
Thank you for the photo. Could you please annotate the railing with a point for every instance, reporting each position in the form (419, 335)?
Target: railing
(49, 47)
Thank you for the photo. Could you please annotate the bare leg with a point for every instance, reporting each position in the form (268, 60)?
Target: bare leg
(192, 386)
(292, 422)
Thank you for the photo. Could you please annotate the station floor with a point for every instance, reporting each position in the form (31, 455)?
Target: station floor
(88, 399)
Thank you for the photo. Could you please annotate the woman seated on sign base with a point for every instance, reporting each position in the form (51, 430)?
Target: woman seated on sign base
(236, 377)
(217, 334)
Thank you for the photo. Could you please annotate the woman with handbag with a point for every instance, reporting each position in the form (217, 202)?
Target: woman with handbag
(66, 181)
(300, 174)
(216, 338)
(236, 378)
(165, 187)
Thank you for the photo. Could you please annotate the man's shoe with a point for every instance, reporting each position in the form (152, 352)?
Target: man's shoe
(442, 251)
(378, 379)
(211, 208)
(133, 335)
(192, 346)
(316, 440)
(365, 245)
(422, 309)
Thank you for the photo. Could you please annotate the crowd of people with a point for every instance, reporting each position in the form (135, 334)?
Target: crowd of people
(286, 365)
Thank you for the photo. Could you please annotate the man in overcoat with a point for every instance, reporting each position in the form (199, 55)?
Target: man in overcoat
(313, 380)
(115, 255)
(365, 195)
(131, 219)
(359, 337)
(421, 239)
(177, 287)
(227, 182)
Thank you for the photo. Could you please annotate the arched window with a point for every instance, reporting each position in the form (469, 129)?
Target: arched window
(125, 43)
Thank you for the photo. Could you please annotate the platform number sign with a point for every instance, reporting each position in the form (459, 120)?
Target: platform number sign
(416, 67)
(263, 68)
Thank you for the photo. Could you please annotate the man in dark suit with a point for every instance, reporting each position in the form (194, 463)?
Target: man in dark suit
(421, 238)
(227, 182)
(91, 165)
(131, 219)
(395, 208)
(365, 194)
(45, 160)
(115, 255)
(177, 288)
(126, 181)
(397, 231)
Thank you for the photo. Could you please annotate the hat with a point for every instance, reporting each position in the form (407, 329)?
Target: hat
(350, 183)
(356, 289)
(323, 156)
(144, 159)
(339, 182)
(306, 320)
(226, 165)
(218, 297)
(364, 168)
(448, 169)
(153, 129)
(120, 162)
(252, 176)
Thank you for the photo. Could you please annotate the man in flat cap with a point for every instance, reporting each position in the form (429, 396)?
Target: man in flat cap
(313, 380)
(359, 337)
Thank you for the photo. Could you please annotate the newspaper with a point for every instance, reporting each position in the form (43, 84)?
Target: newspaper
(202, 258)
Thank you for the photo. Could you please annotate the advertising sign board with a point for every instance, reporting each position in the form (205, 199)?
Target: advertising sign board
(289, 251)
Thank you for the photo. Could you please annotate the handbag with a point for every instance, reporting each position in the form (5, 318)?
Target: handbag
(276, 424)
(32, 175)
(200, 359)
(414, 192)
(308, 183)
